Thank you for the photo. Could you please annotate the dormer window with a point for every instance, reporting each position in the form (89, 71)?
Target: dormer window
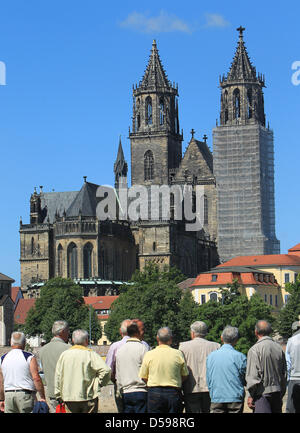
(214, 277)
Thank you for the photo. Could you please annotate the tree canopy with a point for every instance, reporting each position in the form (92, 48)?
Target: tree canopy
(290, 311)
(155, 298)
(61, 299)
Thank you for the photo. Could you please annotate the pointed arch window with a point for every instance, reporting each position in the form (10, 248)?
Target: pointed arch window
(226, 106)
(205, 210)
(32, 246)
(161, 111)
(87, 260)
(249, 103)
(148, 165)
(59, 260)
(148, 110)
(72, 261)
(236, 103)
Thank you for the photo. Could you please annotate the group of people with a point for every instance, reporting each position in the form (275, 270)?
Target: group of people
(200, 376)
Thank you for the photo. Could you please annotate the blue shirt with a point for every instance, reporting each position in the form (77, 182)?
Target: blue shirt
(225, 375)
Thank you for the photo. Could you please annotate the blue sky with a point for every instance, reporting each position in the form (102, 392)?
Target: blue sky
(70, 67)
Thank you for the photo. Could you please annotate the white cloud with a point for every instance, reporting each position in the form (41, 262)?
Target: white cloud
(162, 23)
(216, 20)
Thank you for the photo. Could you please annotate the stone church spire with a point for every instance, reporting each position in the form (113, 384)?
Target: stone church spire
(242, 100)
(120, 167)
(155, 138)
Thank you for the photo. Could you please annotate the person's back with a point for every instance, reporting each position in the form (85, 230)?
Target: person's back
(129, 359)
(195, 353)
(49, 355)
(225, 374)
(16, 370)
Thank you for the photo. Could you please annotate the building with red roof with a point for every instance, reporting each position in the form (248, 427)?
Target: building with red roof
(102, 307)
(207, 285)
(21, 310)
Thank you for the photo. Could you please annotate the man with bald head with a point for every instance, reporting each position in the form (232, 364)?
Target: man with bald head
(163, 370)
(266, 374)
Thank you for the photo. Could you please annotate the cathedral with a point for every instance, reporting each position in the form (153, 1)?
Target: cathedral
(66, 238)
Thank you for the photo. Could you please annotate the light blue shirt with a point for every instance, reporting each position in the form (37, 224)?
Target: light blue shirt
(225, 375)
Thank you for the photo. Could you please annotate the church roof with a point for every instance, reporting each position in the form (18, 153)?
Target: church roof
(56, 202)
(4, 277)
(241, 67)
(85, 201)
(155, 75)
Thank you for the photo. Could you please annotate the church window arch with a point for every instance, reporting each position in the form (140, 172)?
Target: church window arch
(72, 261)
(161, 111)
(148, 110)
(87, 260)
(249, 103)
(205, 209)
(148, 165)
(59, 260)
(237, 103)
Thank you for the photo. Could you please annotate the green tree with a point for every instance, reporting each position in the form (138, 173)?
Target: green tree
(237, 310)
(61, 299)
(155, 298)
(290, 311)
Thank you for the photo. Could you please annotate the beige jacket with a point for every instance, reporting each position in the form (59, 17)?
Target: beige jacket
(195, 353)
(79, 373)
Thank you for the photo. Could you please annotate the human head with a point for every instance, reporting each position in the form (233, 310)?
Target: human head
(80, 337)
(230, 335)
(133, 330)
(295, 326)
(60, 329)
(141, 327)
(198, 329)
(18, 339)
(164, 336)
(123, 326)
(263, 328)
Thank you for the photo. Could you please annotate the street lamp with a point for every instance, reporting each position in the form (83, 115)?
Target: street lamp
(90, 318)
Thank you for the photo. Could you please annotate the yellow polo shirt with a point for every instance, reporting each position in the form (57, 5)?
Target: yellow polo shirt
(163, 366)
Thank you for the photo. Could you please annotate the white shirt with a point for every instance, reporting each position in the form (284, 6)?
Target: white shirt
(15, 367)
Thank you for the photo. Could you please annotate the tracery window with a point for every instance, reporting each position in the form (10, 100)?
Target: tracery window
(148, 165)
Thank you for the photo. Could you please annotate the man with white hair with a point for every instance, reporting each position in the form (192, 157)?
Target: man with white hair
(163, 370)
(19, 378)
(111, 356)
(79, 373)
(195, 351)
(49, 355)
(225, 375)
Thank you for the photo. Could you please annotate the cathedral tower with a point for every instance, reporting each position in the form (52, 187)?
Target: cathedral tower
(244, 163)
(155, 139)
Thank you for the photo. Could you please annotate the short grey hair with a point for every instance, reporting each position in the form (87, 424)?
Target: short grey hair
(123, 326)
(230, 334)
(17, 339)
(59, 326)
(263, 327)
(164, 334)
(80, 336)
(199, 328)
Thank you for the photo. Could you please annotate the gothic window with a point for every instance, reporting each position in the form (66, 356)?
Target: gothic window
(148, 111)
(249, 103)
(59, 260)
(161, 111)
(205, 210)
(236, 103)
(176, 125)
(226, 105)
(87, 260)
(148, 165)
(72, 261)
(32, 246)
